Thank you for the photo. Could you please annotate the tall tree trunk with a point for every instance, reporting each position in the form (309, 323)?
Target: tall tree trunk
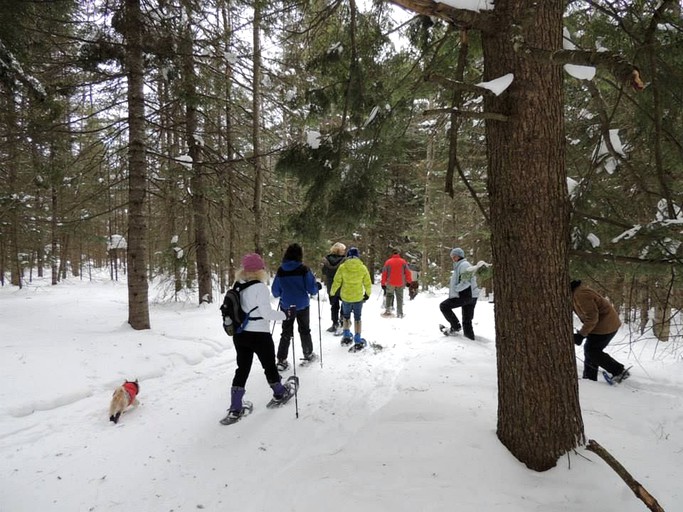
(201, 241)
(228, 175)
(138, 306)
(256, 129)
(15, 204)
(54, 228)
(539, 416)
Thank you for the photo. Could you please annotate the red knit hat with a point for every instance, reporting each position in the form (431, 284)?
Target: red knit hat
(252, 262)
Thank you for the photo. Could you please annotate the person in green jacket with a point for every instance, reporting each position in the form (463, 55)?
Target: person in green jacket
(353, 282)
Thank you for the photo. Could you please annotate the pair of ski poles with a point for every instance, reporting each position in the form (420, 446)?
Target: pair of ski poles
(320, 339)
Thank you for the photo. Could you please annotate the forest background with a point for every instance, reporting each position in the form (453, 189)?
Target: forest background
(168, 138)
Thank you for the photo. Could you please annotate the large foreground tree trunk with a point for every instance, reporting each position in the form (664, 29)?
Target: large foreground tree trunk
(138, 307)
(539, 416)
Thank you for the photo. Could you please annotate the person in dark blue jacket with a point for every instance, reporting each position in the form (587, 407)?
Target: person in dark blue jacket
(293, 284)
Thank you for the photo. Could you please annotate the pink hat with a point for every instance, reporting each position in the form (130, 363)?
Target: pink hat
(252, 262)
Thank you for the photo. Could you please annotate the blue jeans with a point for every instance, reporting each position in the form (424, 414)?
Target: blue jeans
(348, 307)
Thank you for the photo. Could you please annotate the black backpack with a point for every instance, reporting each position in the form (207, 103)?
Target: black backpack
(235, 319)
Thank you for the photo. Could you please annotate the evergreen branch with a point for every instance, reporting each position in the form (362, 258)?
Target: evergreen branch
(12, 70)
(623, 70)
(456, 85)
(461, 18)
(627, 259)
(467, 114)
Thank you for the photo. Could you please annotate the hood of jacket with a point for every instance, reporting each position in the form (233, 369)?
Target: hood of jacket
(290, 264)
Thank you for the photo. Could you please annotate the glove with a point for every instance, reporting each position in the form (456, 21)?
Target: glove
(365, 297)
(290, 312)
(384, 289)
(578, 338)
(319, 285)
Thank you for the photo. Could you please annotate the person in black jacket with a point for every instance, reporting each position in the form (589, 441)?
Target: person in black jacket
(331, 263)
(293, 284)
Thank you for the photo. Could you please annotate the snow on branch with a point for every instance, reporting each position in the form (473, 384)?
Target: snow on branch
(466, 14)
(499, 85)
(12, 70)
(623, 71)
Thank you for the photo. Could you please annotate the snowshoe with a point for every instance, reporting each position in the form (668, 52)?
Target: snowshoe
(332, 328)
(347, 338)
(448, 331)
(616, 379)
(387, 314)
(306, 360)
(358, 345)
(291, 386)
(282, 365)
(235, 416)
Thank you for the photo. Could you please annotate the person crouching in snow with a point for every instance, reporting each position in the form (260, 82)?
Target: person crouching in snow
(395, 276)
(255, 338)
(600, 324)
(292, 285)
(353, 283)
(463, 292)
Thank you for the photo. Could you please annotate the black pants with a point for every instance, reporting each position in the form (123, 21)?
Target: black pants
(335, 306)
(246, 345)
(303, 321)
(594, 356)
(467, 303)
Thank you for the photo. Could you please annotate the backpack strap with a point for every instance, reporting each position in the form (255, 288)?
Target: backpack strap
(239, 287)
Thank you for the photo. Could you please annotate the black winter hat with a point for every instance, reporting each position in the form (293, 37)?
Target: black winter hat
(294, 253)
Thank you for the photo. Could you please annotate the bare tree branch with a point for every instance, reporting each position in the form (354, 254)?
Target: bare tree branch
(633, 484)
(468, 114)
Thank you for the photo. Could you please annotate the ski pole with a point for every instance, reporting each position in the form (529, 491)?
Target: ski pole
(320, 335)
(296, 387)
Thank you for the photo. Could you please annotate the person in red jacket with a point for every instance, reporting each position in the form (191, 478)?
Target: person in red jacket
(395, 276)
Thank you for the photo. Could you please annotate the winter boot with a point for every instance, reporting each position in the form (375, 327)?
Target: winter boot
(236, 407)
(281, 394)
(347, 337)
(332, 328)
(467, 330)
(622, 376)
(236, 395)
(358, 343)
(282, 365)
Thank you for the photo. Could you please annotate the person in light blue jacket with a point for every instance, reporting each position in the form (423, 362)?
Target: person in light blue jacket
(463, 293)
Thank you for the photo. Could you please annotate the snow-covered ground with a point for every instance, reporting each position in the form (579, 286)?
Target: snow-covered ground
(408, 428)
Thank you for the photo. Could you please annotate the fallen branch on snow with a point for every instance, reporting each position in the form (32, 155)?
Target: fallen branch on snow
(634, 485)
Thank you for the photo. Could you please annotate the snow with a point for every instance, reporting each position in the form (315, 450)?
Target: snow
(594, 240)
(371, 117)
(313, 138)
(578, 72)
(185, 160)
(470, 5)
(609, 163)
(117, 242)
(499, 85)
(409, 428)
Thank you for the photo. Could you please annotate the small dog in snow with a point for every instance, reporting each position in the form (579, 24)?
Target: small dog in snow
(123, 397)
